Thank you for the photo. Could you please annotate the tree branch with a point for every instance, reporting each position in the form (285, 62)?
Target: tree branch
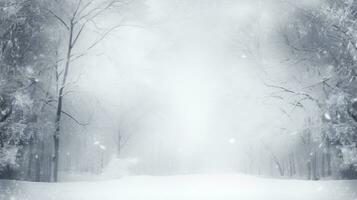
(78, 34)
(308, 96)
(74, 119)
(58, 18)
(68, 115)
(76, 10)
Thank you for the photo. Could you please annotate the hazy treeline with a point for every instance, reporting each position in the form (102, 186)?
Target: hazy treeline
(323, 40)
(320, 51)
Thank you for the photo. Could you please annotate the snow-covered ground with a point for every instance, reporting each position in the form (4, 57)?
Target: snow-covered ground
(184, 187)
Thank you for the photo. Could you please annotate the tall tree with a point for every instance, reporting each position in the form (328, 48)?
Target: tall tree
(74, 17)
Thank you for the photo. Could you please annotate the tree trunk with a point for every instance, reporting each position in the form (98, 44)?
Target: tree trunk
(308, 166)
(29, 166)
(119, 144)
(39, 160)
(328, 160)
(280, 168)
(328, 156)
(56, 136)
(1, 141)
(323, 164)
(293, 163)
(314, 166)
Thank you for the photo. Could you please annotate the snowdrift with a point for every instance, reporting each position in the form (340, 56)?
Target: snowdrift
(188, 187)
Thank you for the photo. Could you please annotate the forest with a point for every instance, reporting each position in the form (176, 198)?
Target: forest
(104, 89)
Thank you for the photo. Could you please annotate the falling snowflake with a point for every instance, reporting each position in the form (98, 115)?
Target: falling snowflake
(102, 147)
(232, 141)
(327, 116)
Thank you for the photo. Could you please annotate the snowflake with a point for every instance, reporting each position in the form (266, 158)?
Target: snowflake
(327, 116)
(232, 141)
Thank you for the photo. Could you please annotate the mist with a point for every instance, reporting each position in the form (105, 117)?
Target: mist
(182, 79)
(113, 97)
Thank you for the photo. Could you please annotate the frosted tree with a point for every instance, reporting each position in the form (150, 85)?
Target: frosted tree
(323, 40)
(25, 60)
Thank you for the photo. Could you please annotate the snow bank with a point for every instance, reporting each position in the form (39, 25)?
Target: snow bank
(190, 187)
(118, 168)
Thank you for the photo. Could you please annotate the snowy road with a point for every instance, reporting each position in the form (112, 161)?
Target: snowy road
(189, 187)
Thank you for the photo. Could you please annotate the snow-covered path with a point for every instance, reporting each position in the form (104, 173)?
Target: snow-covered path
(189, 187)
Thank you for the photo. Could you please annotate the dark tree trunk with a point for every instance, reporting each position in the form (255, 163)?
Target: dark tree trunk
(328, 156)
(314, 166)
(308, 166)
(56, 137)
(280, 168)
(39, 160)
(293, 163)
(328, 160)
(323, 164)
(29, 166)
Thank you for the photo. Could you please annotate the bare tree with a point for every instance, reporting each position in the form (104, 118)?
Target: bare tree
(74, 20)
(122, 141)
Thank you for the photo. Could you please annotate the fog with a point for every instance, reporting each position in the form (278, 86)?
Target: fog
(178, 99)
(184, 82)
